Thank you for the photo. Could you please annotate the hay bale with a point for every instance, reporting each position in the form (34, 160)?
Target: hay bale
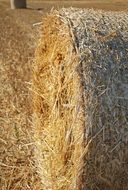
(80, 85)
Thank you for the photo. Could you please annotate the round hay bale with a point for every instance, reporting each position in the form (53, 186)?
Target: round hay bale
(18, 4)
(80, 85)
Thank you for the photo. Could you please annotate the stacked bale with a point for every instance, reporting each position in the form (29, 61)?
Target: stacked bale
(80, 85)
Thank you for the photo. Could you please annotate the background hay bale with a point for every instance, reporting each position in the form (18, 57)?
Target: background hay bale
(80, 85)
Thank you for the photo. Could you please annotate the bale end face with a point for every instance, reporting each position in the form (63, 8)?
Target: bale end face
(58, 108)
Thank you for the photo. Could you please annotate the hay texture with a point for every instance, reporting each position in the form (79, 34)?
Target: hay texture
(80, 85)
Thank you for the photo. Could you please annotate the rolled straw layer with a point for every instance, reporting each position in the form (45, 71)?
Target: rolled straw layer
(80, 85)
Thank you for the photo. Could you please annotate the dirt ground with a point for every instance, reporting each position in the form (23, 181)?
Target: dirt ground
(17, 44)
(116, 5)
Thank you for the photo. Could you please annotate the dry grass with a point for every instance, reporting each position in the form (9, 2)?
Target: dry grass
(80, 101)
(17, 170)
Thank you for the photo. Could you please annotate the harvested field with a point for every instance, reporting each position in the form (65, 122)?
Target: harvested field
(46, 5)
(115, 5)
(18, 40)
(80, 86)
(17, 43)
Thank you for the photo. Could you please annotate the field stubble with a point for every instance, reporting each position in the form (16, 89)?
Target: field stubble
(16, 145)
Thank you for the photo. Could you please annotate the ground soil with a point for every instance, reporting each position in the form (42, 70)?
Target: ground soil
(116, 5)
